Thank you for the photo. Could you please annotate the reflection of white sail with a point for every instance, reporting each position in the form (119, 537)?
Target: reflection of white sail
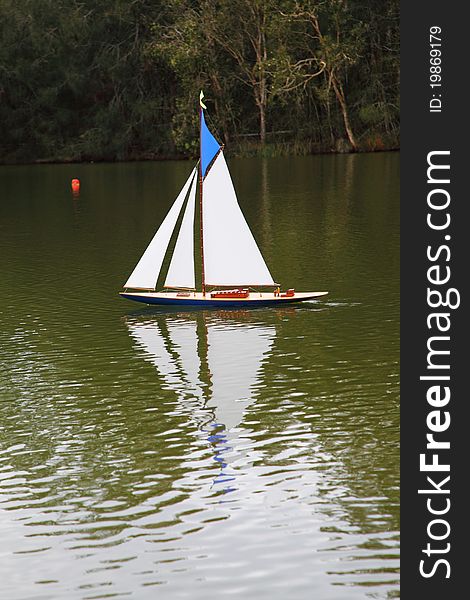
(214, 367)
(183, 341)
(149, 337)
(174, 354)
(235, 353)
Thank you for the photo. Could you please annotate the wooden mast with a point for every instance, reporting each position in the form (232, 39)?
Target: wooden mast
(200, 204)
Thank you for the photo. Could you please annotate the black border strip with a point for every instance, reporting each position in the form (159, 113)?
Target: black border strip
(423, 132)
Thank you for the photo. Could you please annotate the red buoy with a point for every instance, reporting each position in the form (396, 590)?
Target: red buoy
(76, 186)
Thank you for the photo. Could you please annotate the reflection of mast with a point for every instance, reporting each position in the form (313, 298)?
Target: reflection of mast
(213, 365)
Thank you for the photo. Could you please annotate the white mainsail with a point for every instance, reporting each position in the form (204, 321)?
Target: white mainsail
(231, 255)
(181, 271)
(146, 272)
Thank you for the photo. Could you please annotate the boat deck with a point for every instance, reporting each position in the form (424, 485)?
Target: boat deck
(198, 299)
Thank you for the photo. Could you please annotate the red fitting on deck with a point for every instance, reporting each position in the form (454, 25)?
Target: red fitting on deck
(290, 292)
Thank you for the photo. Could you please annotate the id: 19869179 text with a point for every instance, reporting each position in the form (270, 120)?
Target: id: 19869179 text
(435, 69)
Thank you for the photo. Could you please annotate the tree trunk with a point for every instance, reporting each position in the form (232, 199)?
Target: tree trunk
(262, 123)
(260, 100)
(261, 92)
(338, 88)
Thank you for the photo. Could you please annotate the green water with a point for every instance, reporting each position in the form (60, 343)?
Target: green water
(191, 454)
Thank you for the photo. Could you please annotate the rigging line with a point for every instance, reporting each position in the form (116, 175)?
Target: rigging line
(210, 165)
(213, 127)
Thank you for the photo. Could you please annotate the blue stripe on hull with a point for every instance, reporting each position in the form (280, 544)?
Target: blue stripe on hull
(219, 303)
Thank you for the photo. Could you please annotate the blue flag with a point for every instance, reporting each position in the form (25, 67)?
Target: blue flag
(209, 145)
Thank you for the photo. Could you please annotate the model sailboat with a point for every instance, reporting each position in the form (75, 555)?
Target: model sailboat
(230, 257)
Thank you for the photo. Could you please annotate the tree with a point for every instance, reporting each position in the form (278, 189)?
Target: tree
(228, 43)
(336, 42)
(119, 79)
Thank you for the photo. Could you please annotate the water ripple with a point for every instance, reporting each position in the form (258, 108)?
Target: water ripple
(187, 454)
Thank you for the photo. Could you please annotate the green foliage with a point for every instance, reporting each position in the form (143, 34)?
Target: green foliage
(120, 79)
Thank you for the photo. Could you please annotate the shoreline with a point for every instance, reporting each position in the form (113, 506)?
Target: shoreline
(267, 151)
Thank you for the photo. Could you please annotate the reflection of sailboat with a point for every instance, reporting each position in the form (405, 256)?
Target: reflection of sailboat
(213, 365)
(216, 362)
(229, 254)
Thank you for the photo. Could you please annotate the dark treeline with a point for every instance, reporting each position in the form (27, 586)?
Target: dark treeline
(120, 79)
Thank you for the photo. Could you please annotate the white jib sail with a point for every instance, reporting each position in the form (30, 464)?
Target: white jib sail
(231, 256)
(181, 271)
(145, 274)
